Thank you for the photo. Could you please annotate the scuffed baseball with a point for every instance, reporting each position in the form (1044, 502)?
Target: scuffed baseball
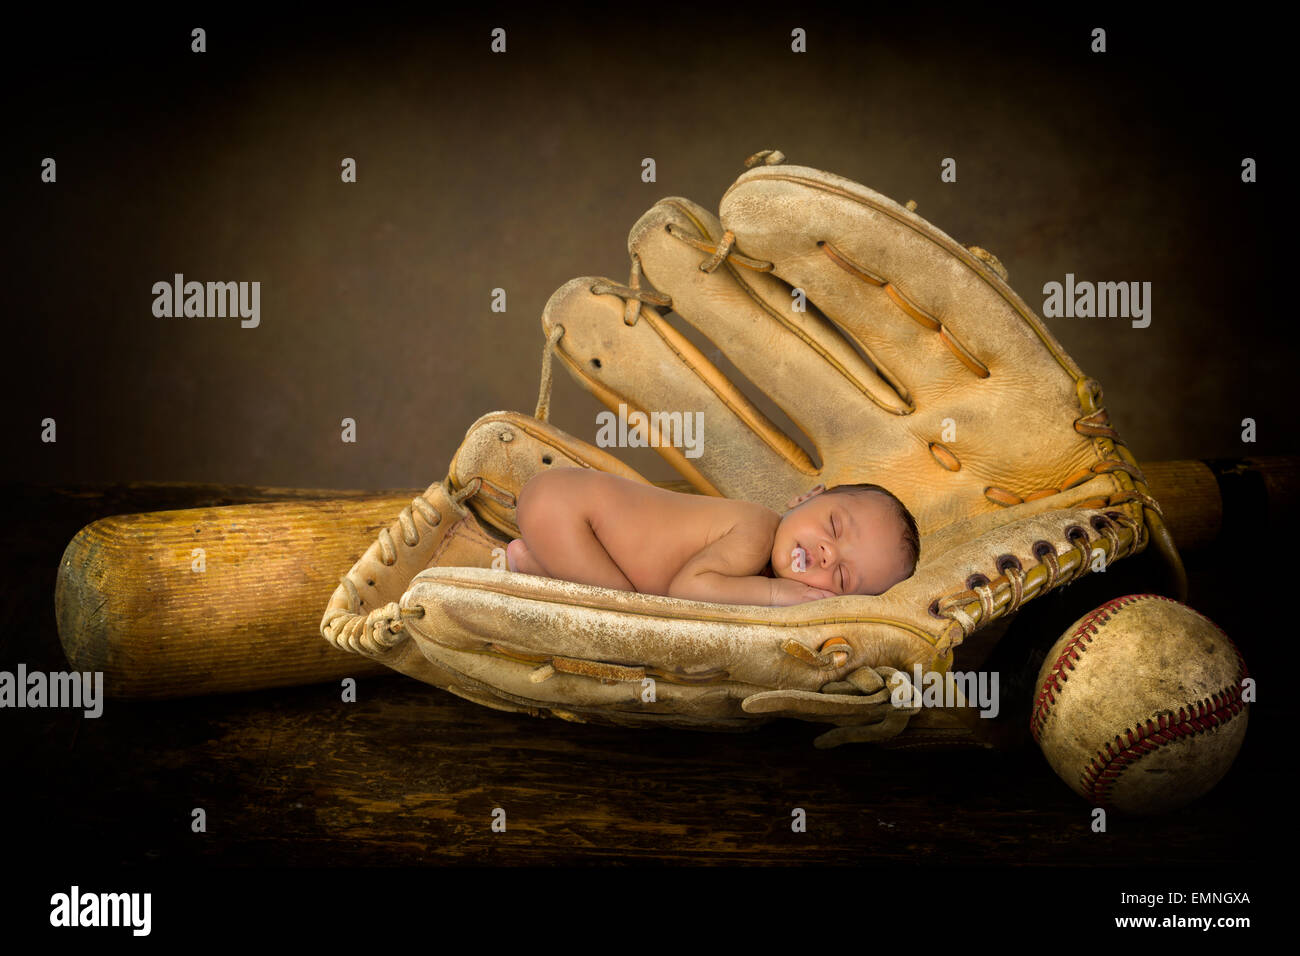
(1139, 704)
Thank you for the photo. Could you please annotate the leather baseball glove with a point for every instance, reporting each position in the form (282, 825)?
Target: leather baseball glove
(903, 356)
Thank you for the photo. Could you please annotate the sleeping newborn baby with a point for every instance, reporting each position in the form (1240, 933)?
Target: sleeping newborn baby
(584, 525)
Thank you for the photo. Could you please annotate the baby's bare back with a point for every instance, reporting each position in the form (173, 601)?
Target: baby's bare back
(650, 533)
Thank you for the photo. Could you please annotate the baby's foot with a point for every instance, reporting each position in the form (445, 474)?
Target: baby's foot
(512, 553)
(520, 559)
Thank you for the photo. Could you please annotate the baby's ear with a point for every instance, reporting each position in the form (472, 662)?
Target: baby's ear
(813, 492)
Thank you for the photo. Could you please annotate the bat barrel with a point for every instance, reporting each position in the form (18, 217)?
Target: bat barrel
(211, 600)
(1206, 501)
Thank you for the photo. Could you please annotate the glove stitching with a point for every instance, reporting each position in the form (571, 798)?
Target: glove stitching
(605, 671)
(470, 489)
(543, 410)
(908, 308)
(767, 157)
(380, 629)
(630, 294)
(1016, 577)
(719, 251)
(1013, 579)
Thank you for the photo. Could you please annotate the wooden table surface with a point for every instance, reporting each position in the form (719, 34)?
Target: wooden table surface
(410, 774)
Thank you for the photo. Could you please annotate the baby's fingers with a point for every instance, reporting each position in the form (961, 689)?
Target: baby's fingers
(816, 594)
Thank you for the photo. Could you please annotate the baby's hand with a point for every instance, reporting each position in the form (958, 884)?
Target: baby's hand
(786, 592)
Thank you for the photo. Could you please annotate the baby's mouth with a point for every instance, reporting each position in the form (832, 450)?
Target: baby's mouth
(798, 560)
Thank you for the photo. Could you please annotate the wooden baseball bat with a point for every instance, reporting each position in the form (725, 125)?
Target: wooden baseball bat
(127, 605)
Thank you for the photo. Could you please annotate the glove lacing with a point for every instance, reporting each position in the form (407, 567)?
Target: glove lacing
(382, 629)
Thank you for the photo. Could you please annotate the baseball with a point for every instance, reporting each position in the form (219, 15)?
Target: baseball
(1139, 704)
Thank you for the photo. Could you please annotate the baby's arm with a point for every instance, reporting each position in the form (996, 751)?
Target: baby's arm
(723, 572)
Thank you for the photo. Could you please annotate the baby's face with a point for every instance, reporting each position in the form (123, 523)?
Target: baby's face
(853, 543)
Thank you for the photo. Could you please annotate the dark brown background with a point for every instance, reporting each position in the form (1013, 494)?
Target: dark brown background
(522, 171)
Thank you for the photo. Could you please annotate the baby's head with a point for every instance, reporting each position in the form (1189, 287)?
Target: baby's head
(857, 539)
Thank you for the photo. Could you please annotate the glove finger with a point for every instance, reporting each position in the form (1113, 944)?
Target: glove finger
(751, 316)
(940, 316)
(696, 418)
(924, 305)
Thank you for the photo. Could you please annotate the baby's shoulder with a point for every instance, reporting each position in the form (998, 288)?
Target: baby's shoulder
(753, 513)
(749, 520)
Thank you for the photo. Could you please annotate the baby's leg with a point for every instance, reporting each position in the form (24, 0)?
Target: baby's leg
(559, 540)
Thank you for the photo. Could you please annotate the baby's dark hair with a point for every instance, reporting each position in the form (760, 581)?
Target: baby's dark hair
(911, 537)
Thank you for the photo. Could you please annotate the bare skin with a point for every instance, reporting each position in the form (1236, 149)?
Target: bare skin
(583, 525)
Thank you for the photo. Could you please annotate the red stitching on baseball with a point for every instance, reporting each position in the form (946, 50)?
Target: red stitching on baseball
(1116, 756)
(1077, 644)
(1100, 776)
